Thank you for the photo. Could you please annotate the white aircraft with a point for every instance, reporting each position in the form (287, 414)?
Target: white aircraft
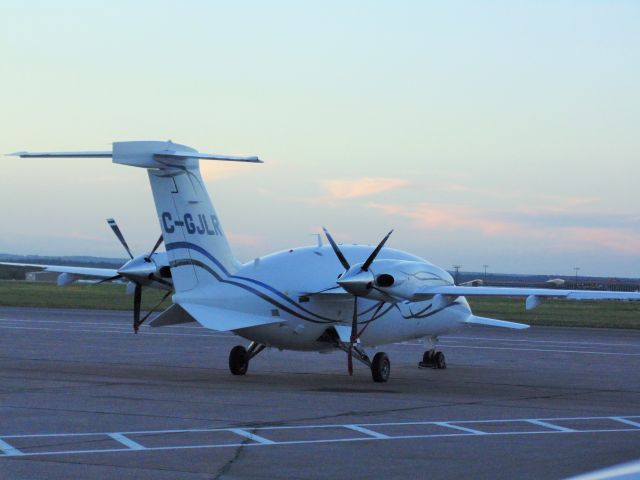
(314, 298)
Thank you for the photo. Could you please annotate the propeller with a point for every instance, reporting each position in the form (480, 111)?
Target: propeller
(137, 270)
(114, 226)
(357, 281)
(354, 335)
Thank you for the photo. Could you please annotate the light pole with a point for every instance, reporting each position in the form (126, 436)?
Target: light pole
(485, 272)
(457, 269)
(576, 269)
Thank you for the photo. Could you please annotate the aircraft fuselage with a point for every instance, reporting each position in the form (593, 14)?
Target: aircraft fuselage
(279, 285)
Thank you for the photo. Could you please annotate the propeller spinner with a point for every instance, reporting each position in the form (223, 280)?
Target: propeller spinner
(139, 270)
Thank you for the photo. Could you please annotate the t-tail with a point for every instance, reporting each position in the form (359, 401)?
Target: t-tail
(196, 244)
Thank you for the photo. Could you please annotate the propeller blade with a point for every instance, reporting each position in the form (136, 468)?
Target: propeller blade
(155, 247)
(354, 335)
(154, 308)
(311, 294)
(387, 294)
(109, 279)
(337, 251)
(155, 278)
(114, 226)
(137, 300)
(374, 254)
(377, 311)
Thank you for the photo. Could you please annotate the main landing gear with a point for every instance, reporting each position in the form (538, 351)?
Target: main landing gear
(239, 357)
(380, 367)
(433, 359)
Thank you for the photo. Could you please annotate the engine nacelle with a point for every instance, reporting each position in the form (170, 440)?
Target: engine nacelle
(396, 281)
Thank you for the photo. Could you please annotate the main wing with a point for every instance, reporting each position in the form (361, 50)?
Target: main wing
(70, 274)
(533, 295)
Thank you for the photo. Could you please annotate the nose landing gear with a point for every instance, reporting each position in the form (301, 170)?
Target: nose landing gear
(433, 359)
(380, 365)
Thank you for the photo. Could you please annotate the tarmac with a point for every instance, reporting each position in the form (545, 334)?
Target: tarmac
(81, 396)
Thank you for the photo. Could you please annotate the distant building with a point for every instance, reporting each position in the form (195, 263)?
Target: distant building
(48, 277)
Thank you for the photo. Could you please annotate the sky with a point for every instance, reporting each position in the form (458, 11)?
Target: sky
(503, 133)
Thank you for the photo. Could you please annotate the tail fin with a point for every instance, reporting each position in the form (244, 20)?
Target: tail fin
(192, 233)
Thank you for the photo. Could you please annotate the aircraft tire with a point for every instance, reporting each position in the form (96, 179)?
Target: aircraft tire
(238, 360)
(380, 367)
(427, 359)
(440, 361)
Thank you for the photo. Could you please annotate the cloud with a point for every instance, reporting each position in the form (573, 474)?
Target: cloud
(618, 240)
(521, 195)
(213, 171)
(568, 228)
(244, 239)
(361, 187)
(448, 217)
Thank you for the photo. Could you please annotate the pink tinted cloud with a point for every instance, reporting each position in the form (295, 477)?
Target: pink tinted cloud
(244, 239)
(451, 217)
(212, 171)
(514, 224)
(614, 239)
(361, 187)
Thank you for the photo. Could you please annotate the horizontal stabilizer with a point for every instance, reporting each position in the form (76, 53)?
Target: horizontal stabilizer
(207, 156)
(492, 322)
(159, 154)
(226, 320)
(174, 315)
(100, 154)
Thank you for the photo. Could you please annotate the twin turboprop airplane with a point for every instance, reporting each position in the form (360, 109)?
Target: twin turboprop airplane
(315, 298)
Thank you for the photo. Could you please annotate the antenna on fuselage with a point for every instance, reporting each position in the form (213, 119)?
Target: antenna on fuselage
(319, 239)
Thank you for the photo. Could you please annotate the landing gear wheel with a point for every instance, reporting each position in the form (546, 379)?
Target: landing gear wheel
(439, 361)
(238, 360)
(380, 367)
(428, 359)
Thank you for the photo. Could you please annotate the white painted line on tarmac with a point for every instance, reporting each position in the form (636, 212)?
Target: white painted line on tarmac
(520, 340)
(588, 352)
(332, 440)
(251, 436)
(9, 450)
(550, 425)
(626, 421)
(462, 429)
(371, 435)
(126, 441)
(320, 426)
(366, 431)
(106, 323)
(121, 331)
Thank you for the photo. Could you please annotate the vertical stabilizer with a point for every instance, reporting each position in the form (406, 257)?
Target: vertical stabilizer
(196, 244)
